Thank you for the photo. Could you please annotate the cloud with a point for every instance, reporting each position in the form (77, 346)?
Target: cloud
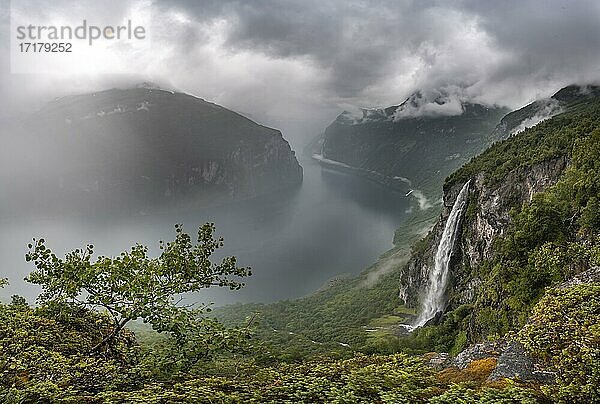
(296, 64)
(547, 45)
(546, 108)
(376, 53)
(370, 50)
(431, 103)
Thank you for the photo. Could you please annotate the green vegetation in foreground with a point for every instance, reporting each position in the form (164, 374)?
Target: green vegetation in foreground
(564, 333)
(75, 346)
(48, 357)
(65, 350)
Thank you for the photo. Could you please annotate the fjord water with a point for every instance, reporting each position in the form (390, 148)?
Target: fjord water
(294, 241)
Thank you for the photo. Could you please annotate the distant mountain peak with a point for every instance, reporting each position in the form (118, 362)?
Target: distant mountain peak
(150, 85)
(430, 104)
(420, 104)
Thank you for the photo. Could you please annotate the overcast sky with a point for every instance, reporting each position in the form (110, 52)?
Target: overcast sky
(295, 65)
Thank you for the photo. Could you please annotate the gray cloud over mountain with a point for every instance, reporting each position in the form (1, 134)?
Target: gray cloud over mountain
(296, 64)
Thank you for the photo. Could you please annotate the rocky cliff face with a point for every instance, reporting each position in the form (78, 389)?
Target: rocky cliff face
(492, 197)
(148, 144)
(487, 216)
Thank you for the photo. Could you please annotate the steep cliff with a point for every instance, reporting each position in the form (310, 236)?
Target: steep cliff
(148, 144)
(487, 216)
(530, 222)
(412, 145)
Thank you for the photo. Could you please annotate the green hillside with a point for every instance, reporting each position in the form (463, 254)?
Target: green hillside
(536, 287)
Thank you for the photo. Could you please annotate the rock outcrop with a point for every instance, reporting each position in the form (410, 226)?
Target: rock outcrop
(508, 360)
(487, 215)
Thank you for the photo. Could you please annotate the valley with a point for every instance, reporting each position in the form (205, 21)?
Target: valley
(351, 222)
(300, 202)
(458, 298)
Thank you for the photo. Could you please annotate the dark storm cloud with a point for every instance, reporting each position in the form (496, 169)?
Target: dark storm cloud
(356, 43)
(361, 45)
(550, 42)
(296, 64)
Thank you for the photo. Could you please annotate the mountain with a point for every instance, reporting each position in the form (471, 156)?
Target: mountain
(412, 145)
(146, 144)
(542, 109)
(529, 222)
(504, 286)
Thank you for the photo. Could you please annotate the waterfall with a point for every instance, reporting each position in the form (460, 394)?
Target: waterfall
(433, 301)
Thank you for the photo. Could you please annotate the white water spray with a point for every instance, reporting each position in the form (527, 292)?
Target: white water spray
(438, 278)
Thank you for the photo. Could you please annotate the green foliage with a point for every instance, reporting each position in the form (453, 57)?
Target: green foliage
(460, 393)
(550, 139)
(590, 214)
(45, 354)
(564, 333)
(443, 337)
(204, 341)
(135, 286)
(460, 343)
(363, 379)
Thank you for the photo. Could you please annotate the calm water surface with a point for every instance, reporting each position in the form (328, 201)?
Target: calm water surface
(334, 224)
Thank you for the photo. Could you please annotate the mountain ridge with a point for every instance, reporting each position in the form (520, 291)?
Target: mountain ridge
(421, 149)
(152, 144)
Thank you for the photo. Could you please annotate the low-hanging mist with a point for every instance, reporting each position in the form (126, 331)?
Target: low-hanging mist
(294, 241)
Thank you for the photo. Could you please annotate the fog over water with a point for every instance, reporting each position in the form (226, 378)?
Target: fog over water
(292, 65)
(333, 224)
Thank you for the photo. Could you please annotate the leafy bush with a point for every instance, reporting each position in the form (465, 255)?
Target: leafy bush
(564, 333)
(135, 286)
(460, 393)
(46, 354)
